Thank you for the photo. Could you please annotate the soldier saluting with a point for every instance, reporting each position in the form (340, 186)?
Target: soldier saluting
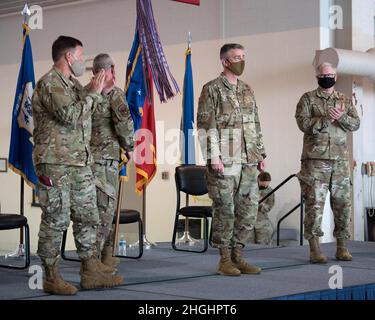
(112, 129)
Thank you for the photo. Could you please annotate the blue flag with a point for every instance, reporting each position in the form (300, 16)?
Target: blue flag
(135, 90)
(187, 142)
(21, 143)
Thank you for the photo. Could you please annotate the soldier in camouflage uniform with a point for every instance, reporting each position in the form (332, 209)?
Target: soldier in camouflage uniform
(326, 117)
(112, 129)
(62, 158)
(232, 143)
(263, 229)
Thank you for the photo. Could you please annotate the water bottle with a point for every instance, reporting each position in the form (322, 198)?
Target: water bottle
(122, 246)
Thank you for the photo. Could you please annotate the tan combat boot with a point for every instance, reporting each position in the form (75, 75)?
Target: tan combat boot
(225, 267)
(316, 256)
(103, 268)
(92, 277)
(108, 259)
(55, 284)
(241, 264)
(342, 252)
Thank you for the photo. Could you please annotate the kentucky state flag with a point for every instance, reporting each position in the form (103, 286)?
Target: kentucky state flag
(21, 143)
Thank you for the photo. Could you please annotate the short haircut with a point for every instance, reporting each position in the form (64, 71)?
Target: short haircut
(264, 176)
(323, 65)
(62, 45)
(102, 61)
(229, 46)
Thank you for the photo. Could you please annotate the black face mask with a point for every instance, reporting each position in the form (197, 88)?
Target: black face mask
(326, 83)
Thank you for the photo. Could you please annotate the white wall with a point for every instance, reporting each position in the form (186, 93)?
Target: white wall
(364, 145)
(358, 35)
(280, 37)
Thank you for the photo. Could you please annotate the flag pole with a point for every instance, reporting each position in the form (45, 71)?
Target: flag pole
(186, 238)
(147, 244)
(22, 207)
(118, 212)
(20, 251)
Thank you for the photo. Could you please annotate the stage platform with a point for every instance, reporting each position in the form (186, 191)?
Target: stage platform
(165, 274)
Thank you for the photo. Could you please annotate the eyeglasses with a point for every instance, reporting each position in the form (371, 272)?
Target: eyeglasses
(329, 75)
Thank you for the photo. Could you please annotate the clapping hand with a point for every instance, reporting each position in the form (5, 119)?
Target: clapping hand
(336, 113)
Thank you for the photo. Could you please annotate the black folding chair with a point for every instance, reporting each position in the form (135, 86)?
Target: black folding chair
(127, 216)
(191, 180)
(16, 221)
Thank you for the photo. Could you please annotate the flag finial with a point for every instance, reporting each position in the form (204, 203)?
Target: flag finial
(189, 40)
(26, 13)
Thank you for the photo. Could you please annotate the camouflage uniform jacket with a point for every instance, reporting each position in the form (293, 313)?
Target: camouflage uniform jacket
(228, 123)
(62, 117)
(112, 127)
(323, 139)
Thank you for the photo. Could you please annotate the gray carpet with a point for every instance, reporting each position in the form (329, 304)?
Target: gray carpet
(164, 274)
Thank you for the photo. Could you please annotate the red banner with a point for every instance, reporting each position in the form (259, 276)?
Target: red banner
(145, 150)
(195, 2)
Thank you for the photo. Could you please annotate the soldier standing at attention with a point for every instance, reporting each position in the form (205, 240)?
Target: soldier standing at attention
(62, 159)
(326, 117)
(232, 143)
(112, 128)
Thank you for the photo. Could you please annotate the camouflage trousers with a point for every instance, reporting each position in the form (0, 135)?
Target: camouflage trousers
(72, 196)
(317, 177)
(235, 205)
(263, 230)
(106, 175)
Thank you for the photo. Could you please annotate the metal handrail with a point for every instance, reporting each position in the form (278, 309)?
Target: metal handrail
(300, 205)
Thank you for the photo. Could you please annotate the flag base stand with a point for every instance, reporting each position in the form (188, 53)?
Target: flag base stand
(19, 252)
(187, 239)
(146, 244)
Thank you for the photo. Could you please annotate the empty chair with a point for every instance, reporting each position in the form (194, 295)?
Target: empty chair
(127, 216)
(16, 221)
(191, 180)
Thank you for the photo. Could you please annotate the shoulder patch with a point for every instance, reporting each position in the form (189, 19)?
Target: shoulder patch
(117, 102)
(57, 90)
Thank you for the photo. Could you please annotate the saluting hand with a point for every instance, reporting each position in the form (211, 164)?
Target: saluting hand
(97, 82)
